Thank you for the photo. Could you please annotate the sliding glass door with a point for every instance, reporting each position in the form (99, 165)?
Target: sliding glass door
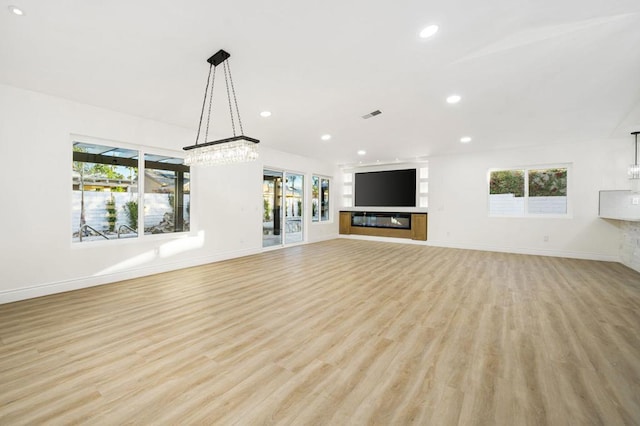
(283, 201)
(294, 202)
(272, 208)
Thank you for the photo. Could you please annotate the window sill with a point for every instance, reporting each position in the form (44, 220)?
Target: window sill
(130, 240)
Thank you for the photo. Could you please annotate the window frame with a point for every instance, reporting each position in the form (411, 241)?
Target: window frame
(526, 169)
(313, 198)
(180, 170)
(142, 151)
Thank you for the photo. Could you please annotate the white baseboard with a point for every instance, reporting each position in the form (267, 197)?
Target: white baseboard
(14, 295)
(323, 238)
(631, 265)
(531, 251)
(515, 250)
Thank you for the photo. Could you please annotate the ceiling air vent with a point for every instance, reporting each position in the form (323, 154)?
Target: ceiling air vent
(372, 114)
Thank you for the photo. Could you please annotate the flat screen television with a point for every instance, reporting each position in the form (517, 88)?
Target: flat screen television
(391, 188)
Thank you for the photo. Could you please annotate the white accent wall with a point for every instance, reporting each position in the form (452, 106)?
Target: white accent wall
(37, 256)
(458, 201)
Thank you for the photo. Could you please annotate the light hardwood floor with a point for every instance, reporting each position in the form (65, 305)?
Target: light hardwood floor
(339, 332)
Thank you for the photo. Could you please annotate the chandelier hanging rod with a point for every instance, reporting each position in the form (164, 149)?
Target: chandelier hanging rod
(633, 171)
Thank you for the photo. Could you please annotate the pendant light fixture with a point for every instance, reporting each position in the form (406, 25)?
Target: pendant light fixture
(236, 149)
(634, 170)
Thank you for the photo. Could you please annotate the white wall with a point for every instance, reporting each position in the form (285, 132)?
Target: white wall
(458, 202)
(36, 253)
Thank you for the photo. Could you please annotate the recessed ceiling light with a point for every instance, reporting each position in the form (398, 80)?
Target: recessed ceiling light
(453, 99)
(362, 152)
(465, 139)
(428, 31)
(16, 10)
(325, 137)
(265, 114)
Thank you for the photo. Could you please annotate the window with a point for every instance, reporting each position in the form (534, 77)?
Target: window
(320, 199)
(529, 191)
(166, 195)
(106, 202)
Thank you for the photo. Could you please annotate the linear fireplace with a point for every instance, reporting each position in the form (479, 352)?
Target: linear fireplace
(385, 224)
(381, 220)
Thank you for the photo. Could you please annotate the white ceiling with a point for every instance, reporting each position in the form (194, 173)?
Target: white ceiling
(529, 72)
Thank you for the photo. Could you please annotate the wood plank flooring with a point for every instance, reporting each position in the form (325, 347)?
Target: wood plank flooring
(334, 333)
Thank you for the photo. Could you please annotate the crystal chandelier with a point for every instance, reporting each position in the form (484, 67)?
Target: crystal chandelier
(236, 149)
(634, 170)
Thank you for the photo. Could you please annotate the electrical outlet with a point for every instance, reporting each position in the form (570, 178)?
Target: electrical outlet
(635, 201)
(545, 238)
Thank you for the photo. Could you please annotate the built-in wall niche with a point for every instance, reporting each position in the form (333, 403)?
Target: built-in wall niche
(347, 190)
(423, 187)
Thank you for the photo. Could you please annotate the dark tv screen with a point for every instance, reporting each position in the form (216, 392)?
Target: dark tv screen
(392, 188)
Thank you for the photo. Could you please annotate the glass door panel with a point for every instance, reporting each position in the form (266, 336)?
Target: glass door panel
(324, 199)
(272, 208)
(294, 202)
